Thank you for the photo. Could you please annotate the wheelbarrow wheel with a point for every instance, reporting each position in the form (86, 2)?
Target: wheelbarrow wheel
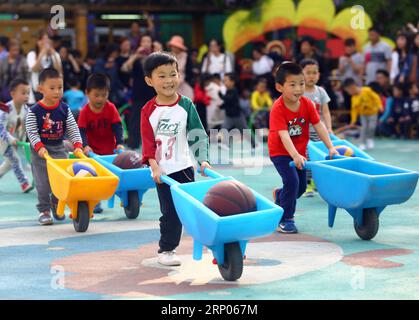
(133, 209)
(370, 224)
(81, 223)
(232, 268)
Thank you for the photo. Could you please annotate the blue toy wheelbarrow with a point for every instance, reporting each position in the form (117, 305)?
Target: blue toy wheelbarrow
(318, 151)
(363, 188)
(226, 236)
(133, 184)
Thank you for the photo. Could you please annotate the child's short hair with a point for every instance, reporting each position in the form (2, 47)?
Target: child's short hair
(348, 82)
(383, 72)
(48, 73)
(308, 62)
(17, 82)
(262, 81)
(286, 69)
(157, 59)
(350, 42)
(215, 76)
(98, 81)
(73, 82)
(232, 76)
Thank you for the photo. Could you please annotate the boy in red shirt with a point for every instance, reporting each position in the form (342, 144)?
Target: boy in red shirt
(288, 137)
(99, 121)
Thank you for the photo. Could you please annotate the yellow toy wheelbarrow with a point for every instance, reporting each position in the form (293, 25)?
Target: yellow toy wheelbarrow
(80, 194)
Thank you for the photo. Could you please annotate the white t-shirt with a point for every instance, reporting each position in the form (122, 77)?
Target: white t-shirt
(217, 64)
(262, 66)
(46, 62)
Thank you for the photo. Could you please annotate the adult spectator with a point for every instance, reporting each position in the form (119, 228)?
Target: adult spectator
(12, 67)
(401, 60)
(262, 64)
(377, 55)
(216, 61)
(351, 64)
(308, 50)
(42, 57)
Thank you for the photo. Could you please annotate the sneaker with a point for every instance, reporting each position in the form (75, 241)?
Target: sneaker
(276, 193)
(26, 187)
(98, 208)
(169, 258)
(45, 218)
(370, 144)
(309, 191)
(287, 227)
(362, 147)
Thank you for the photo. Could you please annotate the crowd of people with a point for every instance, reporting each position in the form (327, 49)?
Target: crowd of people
(392, 74)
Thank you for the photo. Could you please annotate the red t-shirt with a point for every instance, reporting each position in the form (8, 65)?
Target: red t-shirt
(100, 135)
(296, 123)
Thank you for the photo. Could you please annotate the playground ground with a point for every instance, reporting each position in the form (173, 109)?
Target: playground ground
(116, 258)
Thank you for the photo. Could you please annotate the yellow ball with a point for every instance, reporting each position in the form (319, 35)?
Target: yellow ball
(345, 151)
(81, 169)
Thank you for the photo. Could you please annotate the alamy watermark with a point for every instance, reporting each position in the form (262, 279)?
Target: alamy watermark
(358, 19)
(58, 17)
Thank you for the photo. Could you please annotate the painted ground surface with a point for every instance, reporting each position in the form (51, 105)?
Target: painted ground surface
(116, 258)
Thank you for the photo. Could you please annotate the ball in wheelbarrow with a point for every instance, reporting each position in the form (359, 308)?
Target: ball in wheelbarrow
(230, 197)
(345, 151)
(128, 160)
(81, 169)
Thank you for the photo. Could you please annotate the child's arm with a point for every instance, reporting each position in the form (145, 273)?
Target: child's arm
(73, 132)
(33, 135)
(118, 132)
(377, 101)
(327, 117)
(354, 112)
(254, 101)
(387, 110)
(324, 136)
(269, 101)
(298, 159)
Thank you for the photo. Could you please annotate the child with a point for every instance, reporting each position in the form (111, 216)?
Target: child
(74, 97)
(201, 99)
(166, 121)
(394, 108)
(414, 106)
(99, 121)
(47, 123)
(12, 116)
(261, 99)
(288, 137)
(320, 98)
(367, 104)
(215, 116)
(244, 101)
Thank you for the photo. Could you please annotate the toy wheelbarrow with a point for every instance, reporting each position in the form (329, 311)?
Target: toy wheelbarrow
(133, 184)
(226, 236)
(80, 194)
(363, 188)
(318, 151)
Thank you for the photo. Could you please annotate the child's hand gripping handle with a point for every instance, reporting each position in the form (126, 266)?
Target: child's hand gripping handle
(211, 173)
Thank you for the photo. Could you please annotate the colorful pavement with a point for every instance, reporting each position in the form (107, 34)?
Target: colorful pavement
(116, 258)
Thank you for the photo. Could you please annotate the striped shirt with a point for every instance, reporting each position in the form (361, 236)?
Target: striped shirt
(49, 125)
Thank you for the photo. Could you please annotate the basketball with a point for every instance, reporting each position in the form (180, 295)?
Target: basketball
(230, 197)
(81, 169)
(345, 151)
(128, 160)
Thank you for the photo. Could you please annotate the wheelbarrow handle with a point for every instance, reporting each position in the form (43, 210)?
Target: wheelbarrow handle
(307, 165)
(91, 154)
(169, 181)
(80, 155)
(22, 143)
(118, 151)
(334, 157)
(211, 173)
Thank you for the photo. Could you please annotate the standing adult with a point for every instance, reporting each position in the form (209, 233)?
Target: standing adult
(377, 55)
(180, 51)
(42, 57)
(401, 60)
(141, 92)
(216, 61)
(12, 67)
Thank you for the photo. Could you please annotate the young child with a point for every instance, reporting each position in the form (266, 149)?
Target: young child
(215, 116)
(389, 120)
(12, 116)
(47, 123)
(321, 99)
(166, 121)
(414, 106)
(261, 99)
(288, 137)
(99, 121)
(74, 97)
(366, 104)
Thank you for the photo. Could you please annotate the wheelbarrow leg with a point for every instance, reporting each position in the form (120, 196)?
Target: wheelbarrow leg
(332, 215)
(111, 202)
(197, 250)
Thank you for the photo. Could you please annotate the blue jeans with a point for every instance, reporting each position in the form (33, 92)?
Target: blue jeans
(294, 185)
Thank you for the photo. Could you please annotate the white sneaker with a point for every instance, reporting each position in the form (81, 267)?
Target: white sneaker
(362, 147)
(169, 258)
(370, 144)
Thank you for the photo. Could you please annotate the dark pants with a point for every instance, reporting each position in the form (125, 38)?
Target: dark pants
(134, 125)
(294, 185)
(170, 225)
(202, 113)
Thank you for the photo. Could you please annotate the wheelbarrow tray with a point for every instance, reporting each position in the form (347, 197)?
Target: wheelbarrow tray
(318, 151)
(210, 229)
(68, 188)
(353, 183)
